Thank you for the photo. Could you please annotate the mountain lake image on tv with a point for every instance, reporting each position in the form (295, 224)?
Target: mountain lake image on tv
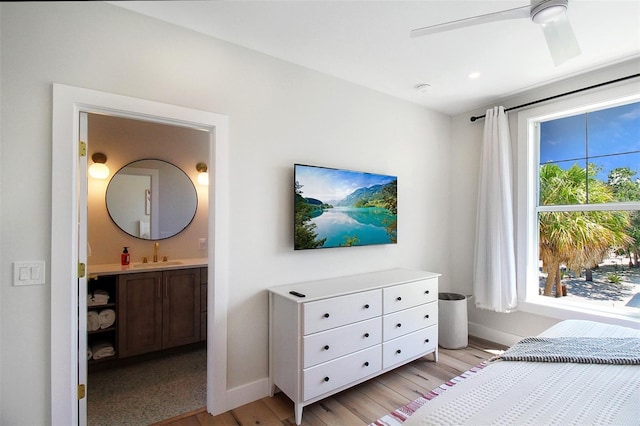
(343, 208)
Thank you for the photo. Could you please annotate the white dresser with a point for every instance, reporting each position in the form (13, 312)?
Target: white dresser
(347, 330)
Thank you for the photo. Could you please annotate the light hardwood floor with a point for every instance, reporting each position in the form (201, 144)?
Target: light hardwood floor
(359, 405)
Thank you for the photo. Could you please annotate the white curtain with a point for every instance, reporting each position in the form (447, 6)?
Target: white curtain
(494, 283)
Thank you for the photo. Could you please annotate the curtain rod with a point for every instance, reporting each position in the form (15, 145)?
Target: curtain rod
(563, 94)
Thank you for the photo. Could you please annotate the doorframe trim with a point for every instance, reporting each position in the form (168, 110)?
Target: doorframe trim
(68, 102)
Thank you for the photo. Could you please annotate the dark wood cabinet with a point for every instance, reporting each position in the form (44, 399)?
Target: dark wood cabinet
(180, 307)
(158, 310)
(140, 305)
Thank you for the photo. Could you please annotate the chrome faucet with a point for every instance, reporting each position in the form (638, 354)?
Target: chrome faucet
(156, 246)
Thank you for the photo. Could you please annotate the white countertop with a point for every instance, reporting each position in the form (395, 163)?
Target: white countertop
(134, 267)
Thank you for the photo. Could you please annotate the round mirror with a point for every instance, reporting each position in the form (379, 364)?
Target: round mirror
(151, 199)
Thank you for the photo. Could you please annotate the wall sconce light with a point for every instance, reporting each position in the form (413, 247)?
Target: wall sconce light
(203, 175)
(99, 170)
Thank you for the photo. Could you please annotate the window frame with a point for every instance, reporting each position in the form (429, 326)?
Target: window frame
(527, 203)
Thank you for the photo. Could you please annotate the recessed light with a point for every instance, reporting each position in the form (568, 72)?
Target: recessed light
(423, 88)
(474, 75)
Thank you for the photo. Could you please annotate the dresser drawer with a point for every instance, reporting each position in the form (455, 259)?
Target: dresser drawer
(327, 345)
(331, 375)
(405, 296)
(409, 346)
(407, 321)
(338, 311)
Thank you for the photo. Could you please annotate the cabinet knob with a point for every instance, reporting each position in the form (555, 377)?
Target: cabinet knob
(326, 347)
(399, 325)
(426, 292)
(366, 334)
(366, 306)
(426, 316)
(399, 351)
(398, 298)
(326, 315)
(366, 364)
(326, 379)
(426, 340)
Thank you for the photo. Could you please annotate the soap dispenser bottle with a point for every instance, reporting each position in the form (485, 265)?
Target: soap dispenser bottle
(125, 257)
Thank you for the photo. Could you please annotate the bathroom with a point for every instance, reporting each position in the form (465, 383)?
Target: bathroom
(153, 247)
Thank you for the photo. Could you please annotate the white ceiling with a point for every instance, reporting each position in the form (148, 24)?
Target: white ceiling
(368, 43)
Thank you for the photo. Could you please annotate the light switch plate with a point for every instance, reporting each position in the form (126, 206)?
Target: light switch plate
(28, 272)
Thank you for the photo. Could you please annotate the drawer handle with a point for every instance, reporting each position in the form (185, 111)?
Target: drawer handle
(399, 325)
(399, 351)
(366, 306)
(426, 316)
(326, 379)
(366, 364)
(398, 298)
(326, 315)
(326, 347)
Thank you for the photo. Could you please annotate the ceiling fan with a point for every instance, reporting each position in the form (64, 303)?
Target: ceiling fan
(549, 14)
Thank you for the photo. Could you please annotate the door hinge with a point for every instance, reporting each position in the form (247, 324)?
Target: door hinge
(82, 149)
(81, 270)
(82, 391)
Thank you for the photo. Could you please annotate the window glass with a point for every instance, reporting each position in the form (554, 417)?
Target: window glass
(588, 213)
(588, 150)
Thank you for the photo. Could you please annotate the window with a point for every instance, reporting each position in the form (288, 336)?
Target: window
(579, 207)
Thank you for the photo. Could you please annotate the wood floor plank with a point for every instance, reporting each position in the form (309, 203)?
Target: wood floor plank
(280, 404)
(308, 419)
(401, 385)
(331, 412)
(424, 375)
(386, 397)
(255, 413)
(359, 405)
(224, 419)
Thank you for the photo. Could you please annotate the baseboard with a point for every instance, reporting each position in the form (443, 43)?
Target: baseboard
(245, 394)
(493, 335)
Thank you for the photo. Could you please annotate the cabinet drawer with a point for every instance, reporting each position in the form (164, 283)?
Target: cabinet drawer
(331, 375)
(327, 345)
(407, 321)
(405, 296)
(338, 311)
(409, 346)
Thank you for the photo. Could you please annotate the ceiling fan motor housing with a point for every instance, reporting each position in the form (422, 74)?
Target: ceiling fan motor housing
(544, 11)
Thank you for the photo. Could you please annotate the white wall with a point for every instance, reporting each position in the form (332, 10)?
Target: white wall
(278, 114)
(466, 141)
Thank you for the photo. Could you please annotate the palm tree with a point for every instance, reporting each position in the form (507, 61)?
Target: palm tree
(575, 239)
(626, 188)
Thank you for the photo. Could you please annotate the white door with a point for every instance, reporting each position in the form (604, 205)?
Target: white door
(82, 277)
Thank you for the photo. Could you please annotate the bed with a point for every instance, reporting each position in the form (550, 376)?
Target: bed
(580, 392)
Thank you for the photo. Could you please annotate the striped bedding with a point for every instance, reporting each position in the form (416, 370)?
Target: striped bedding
(544, 393)
(583, 350)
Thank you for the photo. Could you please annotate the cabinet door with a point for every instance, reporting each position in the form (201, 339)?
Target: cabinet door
(140, 313)
(181, 307)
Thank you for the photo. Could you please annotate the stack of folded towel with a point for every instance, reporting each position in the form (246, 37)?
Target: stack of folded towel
(100, 350)
(100, 320)
(98, 297)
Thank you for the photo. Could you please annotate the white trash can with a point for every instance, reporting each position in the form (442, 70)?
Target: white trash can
(453, 329)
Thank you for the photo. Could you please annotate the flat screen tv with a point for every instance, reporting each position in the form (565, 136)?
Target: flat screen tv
(343, 208)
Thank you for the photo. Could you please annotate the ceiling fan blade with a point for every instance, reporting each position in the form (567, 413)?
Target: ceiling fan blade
(517, 13)
(561, 40)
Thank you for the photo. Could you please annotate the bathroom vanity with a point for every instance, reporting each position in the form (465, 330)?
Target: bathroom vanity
(157, 306)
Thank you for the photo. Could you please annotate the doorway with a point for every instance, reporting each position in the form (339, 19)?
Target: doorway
(67, 401)
(134, 374)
